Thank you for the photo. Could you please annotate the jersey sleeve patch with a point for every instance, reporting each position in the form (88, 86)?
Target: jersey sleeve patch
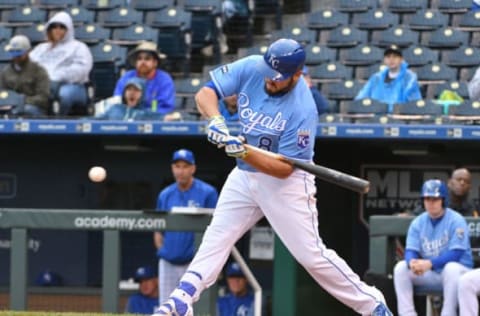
(460, 232)
(303, 138)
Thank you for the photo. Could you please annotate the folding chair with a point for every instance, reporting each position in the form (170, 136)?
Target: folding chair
(446, 37)
(317, 54)
(396, 35)
(91, 34)
(361, 55)
(119, 17)
(346, 36)
(416, 55)
(375, 19)
(419, 111)
(406, 6)
(134, 34)
(427, 20)
(24, 16)
(330, 72)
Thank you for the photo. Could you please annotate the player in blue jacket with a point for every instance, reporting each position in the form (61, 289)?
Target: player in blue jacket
(176, 249)
(276, 112)
(146, 300)
(239, 299)
(437, 251)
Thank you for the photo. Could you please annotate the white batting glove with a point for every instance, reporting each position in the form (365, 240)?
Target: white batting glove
(217, 130)
(234, 147)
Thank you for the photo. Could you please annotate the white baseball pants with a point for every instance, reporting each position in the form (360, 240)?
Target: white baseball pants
(468, 291)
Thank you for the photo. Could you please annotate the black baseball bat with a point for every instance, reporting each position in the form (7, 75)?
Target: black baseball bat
(326, 174)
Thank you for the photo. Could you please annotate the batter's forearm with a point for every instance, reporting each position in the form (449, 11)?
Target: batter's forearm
(271, 166)
(207, 102)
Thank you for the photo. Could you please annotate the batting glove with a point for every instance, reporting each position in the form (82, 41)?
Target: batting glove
(217, 130)
(234, 147)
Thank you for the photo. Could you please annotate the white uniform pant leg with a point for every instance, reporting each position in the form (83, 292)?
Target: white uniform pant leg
(290, 207)
(451, 274)
(404, 280)
(468, 291)
(168, 277)
(235, 214)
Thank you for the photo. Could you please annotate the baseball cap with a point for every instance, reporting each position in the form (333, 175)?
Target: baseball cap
(143, 273)
(18, 46)
(393, 49)
(185, 155)
(233, 269)
(136, 82)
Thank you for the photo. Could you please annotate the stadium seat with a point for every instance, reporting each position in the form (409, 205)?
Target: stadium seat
(24, 16)
(188, 87)
(460, 87)
(457, 6)
(317, 54)
(418, 112)
(342, 90)
(134, 34)
(302, 35)
(10, 99)
(119, 17)
(435, 73)
(56, 4)
(109, 60)
(149, 5)
(4, 55)
(332, 118)
(346, 36)
(464, 56)
(467, 112)
(426, 20)
(417, 56)
(406, 6)
(363, 73)
(326, 19)
(5, 32)
(466, 74)
(396, 35)
(269, 8)
(91, 33)
(468, 22)
(255, 50)
(356, 6)
(446, 37)
(99, 5)
(357, 110)
(330, 72)
(375, 19)
(34, 32)
(13, 4)
(361, 55)
(80, 15)
(378, 119)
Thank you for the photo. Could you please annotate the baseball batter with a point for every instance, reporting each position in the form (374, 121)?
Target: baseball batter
(437, 252)
(468, 291)
(277, 113)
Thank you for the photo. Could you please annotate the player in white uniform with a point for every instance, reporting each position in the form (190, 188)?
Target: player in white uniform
(468, 291)
(437, 252)
(277, 113)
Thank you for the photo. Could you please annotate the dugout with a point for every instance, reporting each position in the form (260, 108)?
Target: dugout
(49, 170)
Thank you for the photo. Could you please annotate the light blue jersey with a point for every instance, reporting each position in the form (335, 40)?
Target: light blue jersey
(283, 124)
(430, 240)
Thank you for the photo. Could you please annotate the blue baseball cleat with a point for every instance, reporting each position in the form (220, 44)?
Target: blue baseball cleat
(174, 307)
(381, 310)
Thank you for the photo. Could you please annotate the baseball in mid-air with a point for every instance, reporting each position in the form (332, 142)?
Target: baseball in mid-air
(97, 174)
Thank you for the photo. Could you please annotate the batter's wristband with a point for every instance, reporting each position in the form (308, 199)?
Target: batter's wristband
(244, 154)
(216, 117)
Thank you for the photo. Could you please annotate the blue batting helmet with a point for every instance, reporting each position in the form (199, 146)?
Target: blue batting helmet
(283, 59)
(435, 188)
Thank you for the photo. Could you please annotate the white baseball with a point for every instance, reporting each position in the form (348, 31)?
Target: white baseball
(97, 174)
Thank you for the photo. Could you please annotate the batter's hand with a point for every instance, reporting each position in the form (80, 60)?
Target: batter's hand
(234, 147)
(217, 130)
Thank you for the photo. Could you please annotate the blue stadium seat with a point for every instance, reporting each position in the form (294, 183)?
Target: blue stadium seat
(416, 55)
(317, 54)
(363, 73)
(35, 32)
(446, 37)
(119, 17)
(10, 99)
(23, 16)
(343, 90)
(255, 50)
(460, 87)
(80, 15)
(435, 73)
(330, 72)
(13, 4)
(361, 55)
(346, 36)
(426, 20)
(150, 5)
(469, 21)
(4, 55)
(406, 6)
(466, 74)
(325, 19)
(375, 19)
(356, 6)
(397, 35)
(332, 118)
(418, 112)
(363, 110)
(302, 35)
(457, 6)
(134, 34)
(467, 112)
(91, 33)
(5, 32)
(464, 56)
(99, 5)
(56, 4)
(187, 87)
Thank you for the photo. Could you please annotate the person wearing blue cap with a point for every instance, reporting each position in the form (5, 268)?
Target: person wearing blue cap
(146, 300)
(239, 299)
(26, 77)
(175, 250)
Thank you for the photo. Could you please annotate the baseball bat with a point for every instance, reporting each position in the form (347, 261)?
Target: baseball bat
(326, 174)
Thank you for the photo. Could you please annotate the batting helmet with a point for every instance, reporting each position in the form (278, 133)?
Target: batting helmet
(283, 59)
(435, 188)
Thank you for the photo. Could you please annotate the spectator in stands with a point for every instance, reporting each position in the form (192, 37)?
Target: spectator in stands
(320, 100)
(68, 63)
(239, 299)
(459, 186)
(175, 249)
(146, 300)
(468, 292)
(474, 86)
(159, 93)
(394, 84)
(25, 77)
(437, 251)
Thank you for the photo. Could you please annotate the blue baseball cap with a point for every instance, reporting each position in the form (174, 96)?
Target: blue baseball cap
(185, 155)
(233, 270)
(143, 273)
(18, 45)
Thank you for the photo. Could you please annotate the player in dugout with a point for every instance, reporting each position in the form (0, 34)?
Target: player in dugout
(277, 113)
